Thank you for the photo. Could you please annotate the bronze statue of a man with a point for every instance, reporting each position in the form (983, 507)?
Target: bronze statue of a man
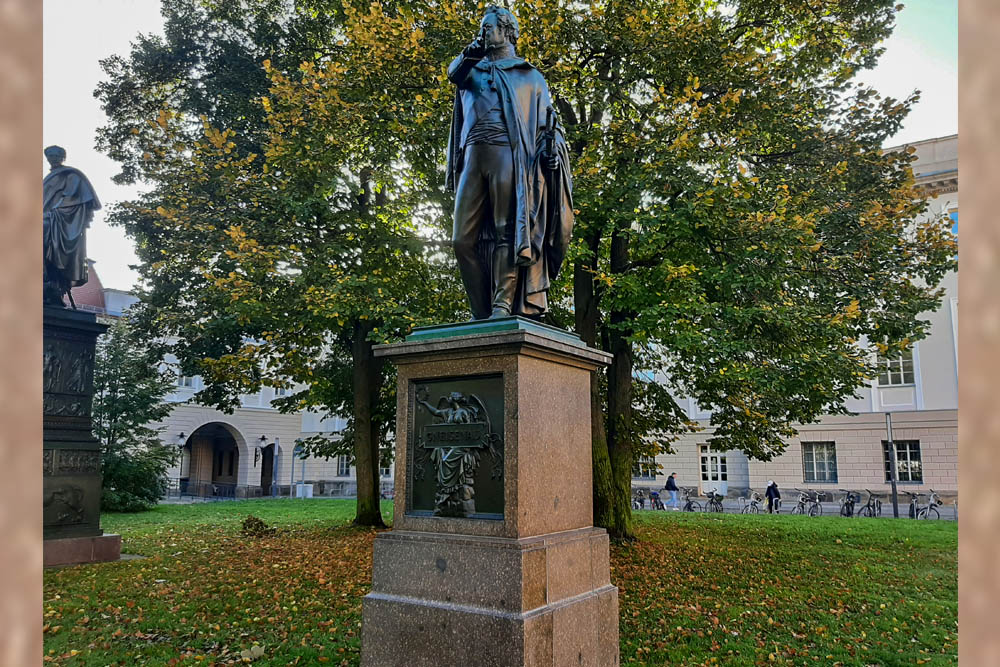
(68, 205)
(509, 166)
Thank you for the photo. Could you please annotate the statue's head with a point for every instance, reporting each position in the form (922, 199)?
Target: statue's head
(56, 155)
(500, 27)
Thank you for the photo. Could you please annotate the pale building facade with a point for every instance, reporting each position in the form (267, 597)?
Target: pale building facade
(919, 389)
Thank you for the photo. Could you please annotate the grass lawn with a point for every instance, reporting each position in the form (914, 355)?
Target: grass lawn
(695, 589)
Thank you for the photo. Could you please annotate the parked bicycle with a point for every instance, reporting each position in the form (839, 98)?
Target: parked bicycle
(751, 506)
(690, 505)
(873, 507)
(808, 503)
(714, 503)
(847, 503)
(654, 501)
(638, 500)
(928, 511)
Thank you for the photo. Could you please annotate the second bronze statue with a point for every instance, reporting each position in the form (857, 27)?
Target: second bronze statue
(509, 166)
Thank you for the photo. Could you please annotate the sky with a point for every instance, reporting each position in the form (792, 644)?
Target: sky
(921, 54)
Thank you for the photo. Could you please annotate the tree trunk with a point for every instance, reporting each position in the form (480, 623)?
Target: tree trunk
(367, 380)
(367, 377)
(620, 405)
(587, 313)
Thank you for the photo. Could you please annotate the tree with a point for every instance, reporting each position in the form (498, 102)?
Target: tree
(129, 393)
(288, 265)
(741, 233)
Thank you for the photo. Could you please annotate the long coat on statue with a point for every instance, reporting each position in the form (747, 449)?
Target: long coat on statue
(543, 223)
(68, 205)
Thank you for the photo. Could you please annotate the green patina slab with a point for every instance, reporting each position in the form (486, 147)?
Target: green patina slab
(492, 326)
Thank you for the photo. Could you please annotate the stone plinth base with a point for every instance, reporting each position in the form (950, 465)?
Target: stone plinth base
(493, 560)
(79, 550)
(448, 600)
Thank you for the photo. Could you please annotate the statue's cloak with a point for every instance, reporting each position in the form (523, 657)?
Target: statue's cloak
(68, 205)
(543, 223)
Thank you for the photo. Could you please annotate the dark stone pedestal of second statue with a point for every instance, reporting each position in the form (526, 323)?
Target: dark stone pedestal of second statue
(71, 456)
(493, 558)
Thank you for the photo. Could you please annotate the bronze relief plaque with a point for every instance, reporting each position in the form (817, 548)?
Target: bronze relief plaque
(455, 461)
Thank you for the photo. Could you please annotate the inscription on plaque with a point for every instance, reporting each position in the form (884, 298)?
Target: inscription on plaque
(455, 465)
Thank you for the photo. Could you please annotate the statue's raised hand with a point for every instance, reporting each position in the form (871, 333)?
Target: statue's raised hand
(476, 48)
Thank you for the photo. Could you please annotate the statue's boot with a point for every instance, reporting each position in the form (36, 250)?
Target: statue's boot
(505, 279)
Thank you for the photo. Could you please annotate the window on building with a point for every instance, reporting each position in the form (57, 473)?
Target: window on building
(713, 465)
(908, 465)
(896, 370)
(185, 381)
(385, 471)
(644, 468)
(343, 466)
(819, 461)
(280, 391)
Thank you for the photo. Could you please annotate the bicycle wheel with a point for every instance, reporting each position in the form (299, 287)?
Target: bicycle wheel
(815, 510)
(754, 509)
(798, 509)
(931, 513)
(693, 506)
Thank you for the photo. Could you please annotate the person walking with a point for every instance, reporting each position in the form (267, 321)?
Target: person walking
(671, 487)
(773, 495)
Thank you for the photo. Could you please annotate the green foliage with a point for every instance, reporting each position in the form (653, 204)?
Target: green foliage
(129, 392)
(280, 256)
(740, 230)
(134, 477)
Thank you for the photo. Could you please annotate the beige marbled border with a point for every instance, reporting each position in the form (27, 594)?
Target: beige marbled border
(979, 332)
(21, 329)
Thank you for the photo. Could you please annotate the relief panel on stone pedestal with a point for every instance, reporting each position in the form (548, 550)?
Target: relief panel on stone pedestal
(63, 504)
(67, 377)
(455, 462)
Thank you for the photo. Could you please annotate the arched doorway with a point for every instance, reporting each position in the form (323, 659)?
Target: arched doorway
(214, 461)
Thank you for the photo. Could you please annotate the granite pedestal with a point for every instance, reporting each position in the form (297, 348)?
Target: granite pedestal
(71, 456)
(499, 563)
